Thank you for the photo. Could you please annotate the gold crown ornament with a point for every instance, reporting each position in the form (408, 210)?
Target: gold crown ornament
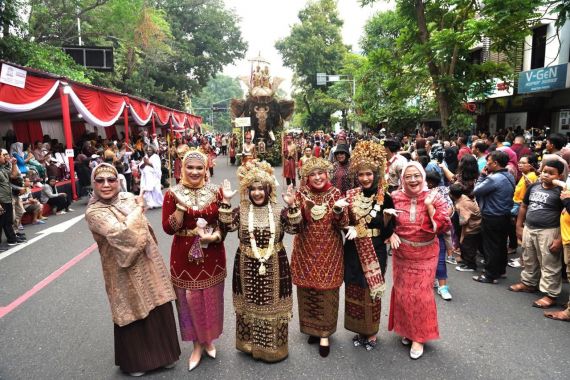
(181, 150)
(370, 155)
(316, 163)
(257, 171)
(196, 154)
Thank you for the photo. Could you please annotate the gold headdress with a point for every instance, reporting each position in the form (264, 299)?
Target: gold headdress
(181, 150)
(196, 154)
(315, 163)
(104, 168)
(370, 155)
(257, 171)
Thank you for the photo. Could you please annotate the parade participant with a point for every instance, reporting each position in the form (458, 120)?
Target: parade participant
(136, 279)
(249, 152)
(290, 159)
(307, 154)
(150, 175)
(233, 149)
(365, 255)
(197, 258)
(340, 177)
(421, 216)
(262, 286)
(181, 150)
(317, 260)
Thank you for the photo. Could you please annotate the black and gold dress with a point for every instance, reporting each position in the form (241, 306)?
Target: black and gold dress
(262, 277)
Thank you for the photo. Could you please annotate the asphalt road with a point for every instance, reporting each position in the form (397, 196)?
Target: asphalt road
(61, 328)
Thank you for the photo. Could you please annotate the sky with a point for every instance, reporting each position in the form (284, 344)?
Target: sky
(263, 22)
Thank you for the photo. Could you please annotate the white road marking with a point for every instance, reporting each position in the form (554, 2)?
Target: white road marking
(58, 228)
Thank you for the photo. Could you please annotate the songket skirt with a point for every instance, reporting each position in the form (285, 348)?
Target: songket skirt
(413, 312)
(148, 343)
(361, 313)
(200, 313)
(318, 311)
(263, 306)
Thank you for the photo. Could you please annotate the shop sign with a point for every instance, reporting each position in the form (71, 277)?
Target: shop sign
(544, 79)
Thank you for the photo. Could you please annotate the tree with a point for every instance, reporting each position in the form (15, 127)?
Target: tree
(441, 35)
(314, 46)
(218, 93)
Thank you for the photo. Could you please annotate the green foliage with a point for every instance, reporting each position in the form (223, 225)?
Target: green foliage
(164, 50)
(313, 46)
(421, 52)
(219, 91)
(42, 57)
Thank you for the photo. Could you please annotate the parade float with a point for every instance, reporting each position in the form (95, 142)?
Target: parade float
(263, 111)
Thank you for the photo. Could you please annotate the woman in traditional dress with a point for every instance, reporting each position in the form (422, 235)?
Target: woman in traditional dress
(198, 257)
(262, 278)
(151, 173)
(421, 216)
(290, 161)
(365, 255)
(136, 279)
(317, 260)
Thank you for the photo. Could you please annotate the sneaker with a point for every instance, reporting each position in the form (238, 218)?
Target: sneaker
(443, 291)
(464, 268)
(515, 263)
(14, 243)
(21, 239)
(451, 260)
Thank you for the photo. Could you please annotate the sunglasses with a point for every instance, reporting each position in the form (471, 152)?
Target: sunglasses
(109, 180)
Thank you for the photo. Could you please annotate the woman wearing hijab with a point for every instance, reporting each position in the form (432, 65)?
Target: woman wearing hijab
(317, 260)
(420, 217)
(365, 255)
(151, 173)
(17, 151)
(262, 289)
(197, 256)
(136, 279)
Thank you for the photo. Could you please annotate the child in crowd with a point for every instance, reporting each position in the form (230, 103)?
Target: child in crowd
(433, 179)
(528, 165)
(538, 225)
(470, 222)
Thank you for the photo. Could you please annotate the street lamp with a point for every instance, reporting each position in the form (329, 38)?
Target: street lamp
(323, 79)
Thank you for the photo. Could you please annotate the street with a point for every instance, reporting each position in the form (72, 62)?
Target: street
(55, 322)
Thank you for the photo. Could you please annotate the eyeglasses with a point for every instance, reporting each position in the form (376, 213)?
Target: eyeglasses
(413, 177)
(109, 180)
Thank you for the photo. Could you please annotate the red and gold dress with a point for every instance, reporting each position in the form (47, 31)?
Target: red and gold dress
(413, 312)
(197, 272)
(317, 261)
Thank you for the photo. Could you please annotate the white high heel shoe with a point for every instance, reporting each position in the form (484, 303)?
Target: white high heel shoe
(416, 354)
(211, 353)
(192, 365)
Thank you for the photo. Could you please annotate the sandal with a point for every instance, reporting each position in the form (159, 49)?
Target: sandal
(560, 315)
(544, 302)
(520, 287)
(358, 340)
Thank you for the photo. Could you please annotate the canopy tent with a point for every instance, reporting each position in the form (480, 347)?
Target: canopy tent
(38, 95)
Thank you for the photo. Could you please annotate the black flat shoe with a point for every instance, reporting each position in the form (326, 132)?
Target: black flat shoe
(313, 339)
(358, 341)
(324, 351)
(484, 279)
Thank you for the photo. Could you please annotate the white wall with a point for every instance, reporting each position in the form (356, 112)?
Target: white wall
(557, 47)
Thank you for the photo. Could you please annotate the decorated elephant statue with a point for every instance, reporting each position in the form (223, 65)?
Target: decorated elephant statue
(267, 116)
